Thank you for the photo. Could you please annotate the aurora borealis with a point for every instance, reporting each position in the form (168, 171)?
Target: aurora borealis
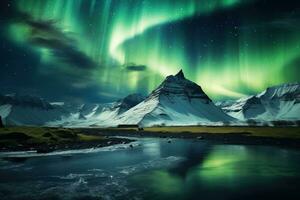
(104, 49)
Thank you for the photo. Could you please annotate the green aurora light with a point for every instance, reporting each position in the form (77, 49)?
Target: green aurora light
(244, 56)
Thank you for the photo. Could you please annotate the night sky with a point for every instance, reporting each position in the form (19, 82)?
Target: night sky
(101, 50)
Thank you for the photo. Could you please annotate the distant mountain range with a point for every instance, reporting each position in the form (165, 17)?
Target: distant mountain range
(280, 102)
(176, 101)
(28, 110)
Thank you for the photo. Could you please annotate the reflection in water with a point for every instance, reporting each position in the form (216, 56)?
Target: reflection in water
(194, 155)
(220, 164)
(156, 169)
(227, 172)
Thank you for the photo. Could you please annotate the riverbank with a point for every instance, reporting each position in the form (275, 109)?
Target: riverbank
(45, 139)
(281, 136)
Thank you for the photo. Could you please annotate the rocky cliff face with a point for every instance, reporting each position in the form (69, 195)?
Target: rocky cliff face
(1, 124)
(28, 110)
(128, 102)
(179, 86)
(25, 101)
(280, 102)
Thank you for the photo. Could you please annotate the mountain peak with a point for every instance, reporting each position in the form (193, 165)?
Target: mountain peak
(133, 99)
(178, 85)
(180, 74)
(287, 91)
(128, 102)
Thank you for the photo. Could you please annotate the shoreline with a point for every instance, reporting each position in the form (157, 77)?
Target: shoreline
(46, 139)
(66, 146)
(245, 138)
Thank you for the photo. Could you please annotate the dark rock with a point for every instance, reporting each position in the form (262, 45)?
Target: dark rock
(180, 74)
(128, 102)
(1, 124)
(179, 86)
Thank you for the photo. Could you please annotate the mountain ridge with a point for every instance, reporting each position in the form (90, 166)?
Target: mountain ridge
(280, 102)
(176, 101)
(172, 103)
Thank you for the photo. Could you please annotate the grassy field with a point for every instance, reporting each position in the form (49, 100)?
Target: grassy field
(274, 132)
(44, 135)
(257, 131)
(25, 138)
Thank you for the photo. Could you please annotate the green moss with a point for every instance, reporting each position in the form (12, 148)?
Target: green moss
(276, 132)
(43, 135)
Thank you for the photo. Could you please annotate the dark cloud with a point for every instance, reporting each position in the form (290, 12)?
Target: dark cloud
(46, 33)
(47, 26)
(66, 77)
(63, 48)
(134, 67)
(65, 52)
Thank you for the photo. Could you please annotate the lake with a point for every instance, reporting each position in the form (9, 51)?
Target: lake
(155, 168)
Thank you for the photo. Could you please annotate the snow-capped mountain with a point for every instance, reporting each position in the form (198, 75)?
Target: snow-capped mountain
(111, 110)
(128, 102)
(275, 103)
(28, 110)
(177, 101)
(98, 114)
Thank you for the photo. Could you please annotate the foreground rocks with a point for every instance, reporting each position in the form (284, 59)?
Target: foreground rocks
(44, 140)
(1, 123)
(46, 148)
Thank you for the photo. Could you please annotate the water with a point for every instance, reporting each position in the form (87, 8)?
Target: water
(155, 169)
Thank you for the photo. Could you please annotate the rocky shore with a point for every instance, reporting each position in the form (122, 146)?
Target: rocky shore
(44, 140)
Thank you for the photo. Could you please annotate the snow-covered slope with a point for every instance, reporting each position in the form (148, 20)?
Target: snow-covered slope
(275, 103)
(98, 114)
(28, 110)
(177, 101)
